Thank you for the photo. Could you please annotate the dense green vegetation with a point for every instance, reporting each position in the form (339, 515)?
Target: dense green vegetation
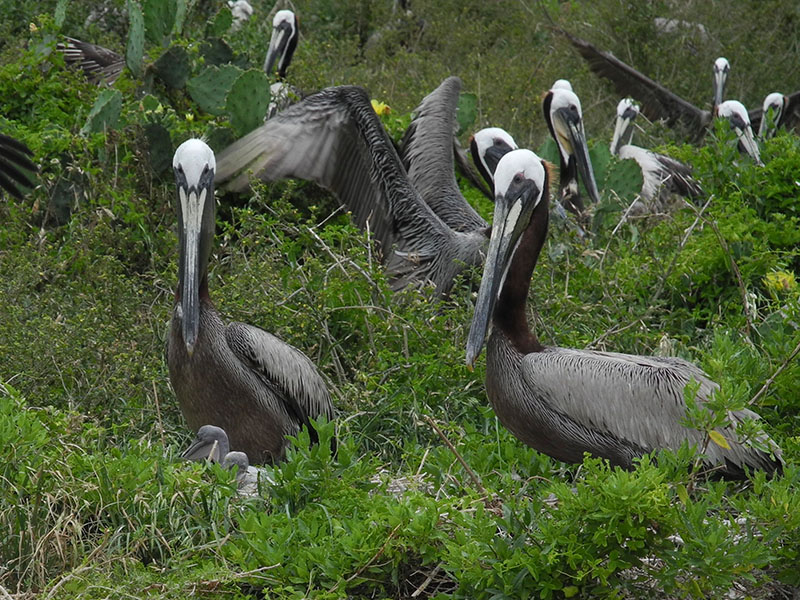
(94, 504)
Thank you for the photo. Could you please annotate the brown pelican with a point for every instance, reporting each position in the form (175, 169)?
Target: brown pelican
(100, 65)
(282, 44)
(736, 114)
(783, 112)
(14, 163)
(235, 376)
(662, 175)
(657, 101)
(562, 112)
(487, 147)
(335, 139)
(566, 402)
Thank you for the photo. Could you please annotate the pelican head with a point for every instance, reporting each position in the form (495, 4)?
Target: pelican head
(283, 41)
(487, 147)
(194, 167)
(721, 69)
(737, 116)
(238, 460)
(562, 111)
(771, 114)
(210, 443)
(627, 110)
(562, 84)
(520, 185)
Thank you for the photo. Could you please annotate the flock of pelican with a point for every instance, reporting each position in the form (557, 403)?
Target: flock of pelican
(244, 391)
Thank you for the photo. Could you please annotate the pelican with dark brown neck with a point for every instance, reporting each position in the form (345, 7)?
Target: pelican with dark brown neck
(566, 402)
(234, 376)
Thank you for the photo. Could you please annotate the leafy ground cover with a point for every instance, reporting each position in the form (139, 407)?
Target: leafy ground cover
(94, 504)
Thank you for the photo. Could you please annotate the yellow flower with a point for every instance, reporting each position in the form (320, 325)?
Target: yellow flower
(33, 28)
(381, 108)
(189, 117)
(780, 281)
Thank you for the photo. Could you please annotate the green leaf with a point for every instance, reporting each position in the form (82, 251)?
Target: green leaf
(719, 439)
(104, 113)
(135, 49)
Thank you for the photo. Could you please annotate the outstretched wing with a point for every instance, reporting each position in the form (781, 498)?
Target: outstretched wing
(657, 101)
(99, 64)
(427, 151)
(15, 166)
(335, 139)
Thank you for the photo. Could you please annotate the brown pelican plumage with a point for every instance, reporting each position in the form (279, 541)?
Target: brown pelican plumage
(487, 147)
(777, 110)
(566, 402)
(335, 139)
(15, 166)
(234, 376)
(736, 114)
(100, 65)
(657, 101)
(562, 112)
(662, 176)
(282, 44)
(427, 153)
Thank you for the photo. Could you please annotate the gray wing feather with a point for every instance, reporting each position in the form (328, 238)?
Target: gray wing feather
(637, 399)
(657, 101)
(98, 64)
(284, 367)
(335, 138)
(427, 153)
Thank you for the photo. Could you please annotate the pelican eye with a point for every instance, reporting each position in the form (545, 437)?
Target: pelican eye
(518, 178)
(206, 169)
(179, 168)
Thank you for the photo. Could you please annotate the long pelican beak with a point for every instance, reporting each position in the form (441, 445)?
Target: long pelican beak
(622, 130)
(745, 134)
(512, 214)
(192, 204)
(493, 155)
(720, 78)
(569, 128)
(277, 44)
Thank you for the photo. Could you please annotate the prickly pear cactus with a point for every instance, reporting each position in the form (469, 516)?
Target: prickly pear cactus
(221, 23)
(600, 156)
(159, 17)
(248, 100)
(135, 49)
(624, 177)
(211, 87)
(172, 67)
(548, 151)
(104, 113)
(159, 146)
(216, 52)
